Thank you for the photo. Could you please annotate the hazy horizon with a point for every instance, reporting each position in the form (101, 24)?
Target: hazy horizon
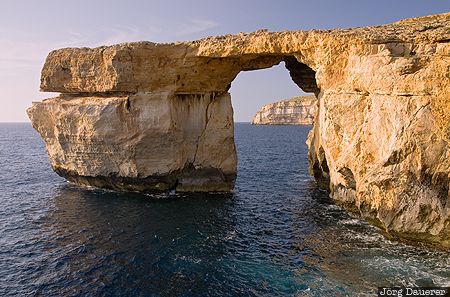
(32, 29)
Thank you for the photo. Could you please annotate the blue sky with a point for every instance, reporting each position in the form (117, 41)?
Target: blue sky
(30, 29)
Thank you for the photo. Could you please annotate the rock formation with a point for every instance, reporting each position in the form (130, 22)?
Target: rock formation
(145, 116)
(298, 110)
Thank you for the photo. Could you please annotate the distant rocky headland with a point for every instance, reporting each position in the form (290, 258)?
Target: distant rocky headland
(298, 110)
(147, 116)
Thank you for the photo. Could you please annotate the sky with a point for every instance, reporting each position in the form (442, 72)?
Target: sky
(30, 29)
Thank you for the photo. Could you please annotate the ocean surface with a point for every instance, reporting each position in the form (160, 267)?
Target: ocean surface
(276, 235)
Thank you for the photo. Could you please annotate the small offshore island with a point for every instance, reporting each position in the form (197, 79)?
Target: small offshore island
(146, 116)
(299, 110)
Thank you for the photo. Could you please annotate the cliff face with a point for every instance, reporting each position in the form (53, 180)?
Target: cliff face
(140, 141)
(295, 111)
(148, 116)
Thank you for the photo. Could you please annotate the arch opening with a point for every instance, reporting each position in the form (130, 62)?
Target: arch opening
(304, 78)
(301, 74)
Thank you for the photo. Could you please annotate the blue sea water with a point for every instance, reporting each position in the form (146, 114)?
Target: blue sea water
(276, 235)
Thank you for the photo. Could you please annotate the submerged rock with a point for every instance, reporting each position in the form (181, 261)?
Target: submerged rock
(147, 116)
(298, 110)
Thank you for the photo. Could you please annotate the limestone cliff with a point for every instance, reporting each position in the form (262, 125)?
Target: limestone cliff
(147, 116)
(298, 110)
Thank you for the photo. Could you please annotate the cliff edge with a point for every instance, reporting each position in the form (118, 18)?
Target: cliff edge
(298, 110)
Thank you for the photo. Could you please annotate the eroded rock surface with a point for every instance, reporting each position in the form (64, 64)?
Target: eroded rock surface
(141, 141)
(298, 110)
(157, 116)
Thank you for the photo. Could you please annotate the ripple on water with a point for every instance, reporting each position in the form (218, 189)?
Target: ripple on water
(276, 235)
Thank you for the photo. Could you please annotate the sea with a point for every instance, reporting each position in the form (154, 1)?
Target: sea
(277, 234)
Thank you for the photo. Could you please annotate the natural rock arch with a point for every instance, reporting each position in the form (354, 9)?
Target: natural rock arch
(153, 116)
(190, 131)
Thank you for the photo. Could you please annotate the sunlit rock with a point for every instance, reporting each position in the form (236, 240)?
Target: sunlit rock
(294, 111)
(147, 116)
